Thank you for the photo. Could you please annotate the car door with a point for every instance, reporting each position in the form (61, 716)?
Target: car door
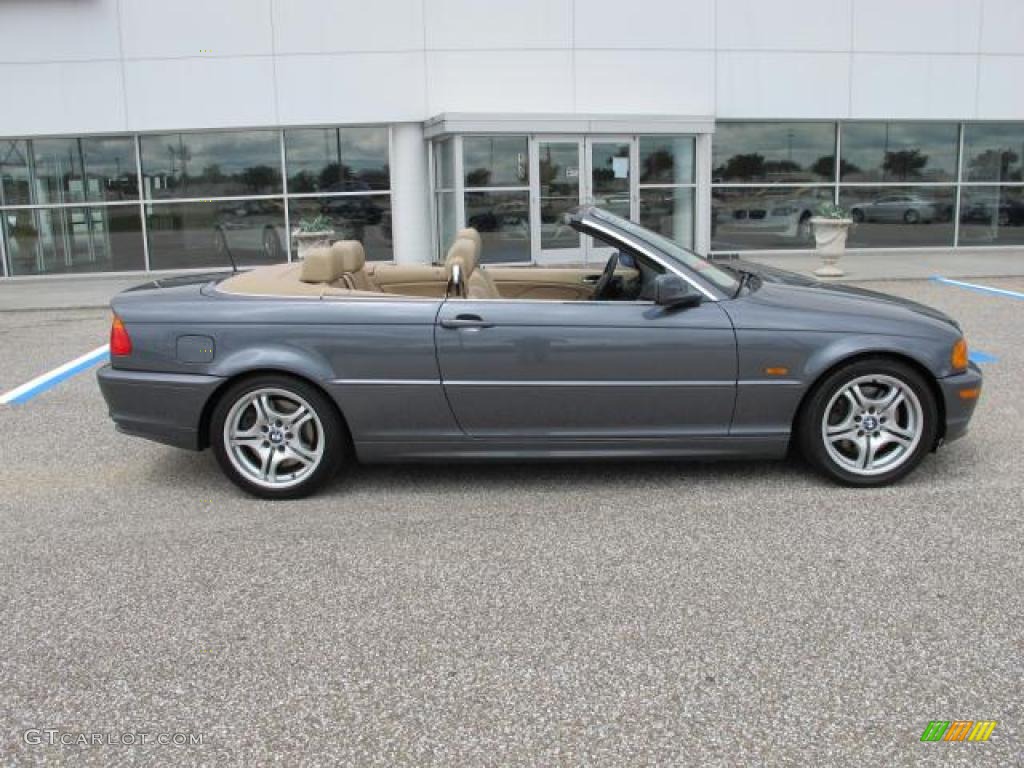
(528, 369)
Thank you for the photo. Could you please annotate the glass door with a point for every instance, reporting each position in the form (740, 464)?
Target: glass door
(611, 183)
(558, 169)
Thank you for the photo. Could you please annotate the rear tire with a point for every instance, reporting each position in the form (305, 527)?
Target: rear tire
(868, 424)
(277, 437)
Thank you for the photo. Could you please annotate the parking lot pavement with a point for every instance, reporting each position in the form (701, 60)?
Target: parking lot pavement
(685, 614)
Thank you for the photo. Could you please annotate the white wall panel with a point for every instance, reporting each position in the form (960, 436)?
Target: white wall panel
(801, 25)
(61, 98)
(483, 24)
(200, 93)
(1002, 26)
(1000, 95)
(939, 26)
(780, 85)
(902, 86)
(162, 28)
(651, 82)
(31, 30)
(688, 24)
(499, 81)
(354, 87)
(333, 26)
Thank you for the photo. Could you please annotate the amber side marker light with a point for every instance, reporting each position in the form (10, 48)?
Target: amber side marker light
(959, 358)
(120, 341)
(970, 394)
(778, 371)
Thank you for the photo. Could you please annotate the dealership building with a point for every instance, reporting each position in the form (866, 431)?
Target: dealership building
(152, 135)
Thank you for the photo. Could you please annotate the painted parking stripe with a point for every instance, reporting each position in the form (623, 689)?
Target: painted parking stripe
(981, 357)
(979, 288)
(50, 379)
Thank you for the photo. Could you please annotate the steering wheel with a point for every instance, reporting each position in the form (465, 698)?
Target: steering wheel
(603, 282)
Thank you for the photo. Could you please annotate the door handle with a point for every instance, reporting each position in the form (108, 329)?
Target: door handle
(591, 279)
(466, 321)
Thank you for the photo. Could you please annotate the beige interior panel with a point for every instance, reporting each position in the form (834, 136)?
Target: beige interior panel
(409, 279)
(550, 283)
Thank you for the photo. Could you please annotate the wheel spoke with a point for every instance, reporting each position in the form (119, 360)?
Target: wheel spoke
(891, 402)
(898, 434)
(297, 418)
(301, 455)
(266, 458)
(856, 396)
(842, 432)
(247, 441)
(867, 455)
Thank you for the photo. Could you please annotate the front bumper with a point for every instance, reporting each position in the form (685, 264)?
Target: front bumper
(958, 410)
(165, 407)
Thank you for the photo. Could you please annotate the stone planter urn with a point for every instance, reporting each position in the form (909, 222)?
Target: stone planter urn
(830, 244)
(307, 241)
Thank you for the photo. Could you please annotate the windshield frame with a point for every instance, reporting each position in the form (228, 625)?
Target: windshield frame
(684, 262)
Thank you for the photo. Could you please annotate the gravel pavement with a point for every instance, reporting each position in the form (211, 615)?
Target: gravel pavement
(728, 614)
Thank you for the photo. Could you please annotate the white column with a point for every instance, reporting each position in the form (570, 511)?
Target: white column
(702, 233)
(410, 195)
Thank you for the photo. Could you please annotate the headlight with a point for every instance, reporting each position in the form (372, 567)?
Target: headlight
(958, 358)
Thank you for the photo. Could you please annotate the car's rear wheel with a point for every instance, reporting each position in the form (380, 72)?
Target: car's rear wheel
(911, 216)
(869, 423)
(277, 437)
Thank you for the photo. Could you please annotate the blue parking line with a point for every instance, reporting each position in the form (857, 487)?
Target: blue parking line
(51, 379)
(981, 357)
(979, 288)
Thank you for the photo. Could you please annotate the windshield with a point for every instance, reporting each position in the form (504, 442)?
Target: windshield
(682, 256)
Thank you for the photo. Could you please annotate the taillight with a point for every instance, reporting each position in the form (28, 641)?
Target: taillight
(120, 341)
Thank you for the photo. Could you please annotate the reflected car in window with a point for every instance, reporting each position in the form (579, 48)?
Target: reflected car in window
(906, 209)
(251, 226)
(788, 217)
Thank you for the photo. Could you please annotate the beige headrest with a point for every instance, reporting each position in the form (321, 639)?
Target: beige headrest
(321, 265)
(350, 255)
(462, 252)
(469, 233)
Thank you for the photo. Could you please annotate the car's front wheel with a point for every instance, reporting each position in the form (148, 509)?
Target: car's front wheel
(869, 423)
(277, 437)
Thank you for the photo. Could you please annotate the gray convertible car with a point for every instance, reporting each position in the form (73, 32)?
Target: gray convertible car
(293, 371)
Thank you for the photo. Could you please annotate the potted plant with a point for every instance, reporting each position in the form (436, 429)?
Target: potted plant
(312, 232)
(831, 226)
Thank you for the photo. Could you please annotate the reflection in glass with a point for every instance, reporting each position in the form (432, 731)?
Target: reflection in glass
(899, 216)
(446, 217)
(610, 176)
(764, 217)
(495, 161)
(76, 170)
(444, 164)
(73, 239)
(366, 218)
(773, 152)
(216, 164)
(899, 151)
(559, 170)
(14, 186)
(669, 212)
(190, 235)
(337, 159)
(993, 151)
(503, 221)
(992, 216)
(666, 159)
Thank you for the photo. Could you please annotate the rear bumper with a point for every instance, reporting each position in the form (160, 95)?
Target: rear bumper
(958, 410)
(165, 407)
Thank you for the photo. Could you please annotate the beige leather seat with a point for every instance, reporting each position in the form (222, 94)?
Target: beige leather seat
(475, 282)
(351, 260)
(321, 265)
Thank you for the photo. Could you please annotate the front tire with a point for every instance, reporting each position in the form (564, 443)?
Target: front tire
(869, 424)
(277, 437)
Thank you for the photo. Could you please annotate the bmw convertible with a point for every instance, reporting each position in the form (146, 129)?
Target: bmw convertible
(294, 371)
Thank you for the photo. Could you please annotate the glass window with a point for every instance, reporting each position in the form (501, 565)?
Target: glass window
(87, 169)
(899, 217)
(14, 186)
(559, 170)
(337, 159)
(745, 218)
(190, 235)
(993, 151)
(73, 239)
(899, 151)
(503, 221)
(495, 161)
(773, 152)
(666, 159)
(219, 164)
(992, 216)
(669, 212)
(446, 218)
(444, 164)
(366, 218)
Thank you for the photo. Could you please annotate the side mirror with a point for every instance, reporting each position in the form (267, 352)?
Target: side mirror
(672, 292)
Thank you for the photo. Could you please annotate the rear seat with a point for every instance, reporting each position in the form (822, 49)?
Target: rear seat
(340, 266)
(476, 283)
